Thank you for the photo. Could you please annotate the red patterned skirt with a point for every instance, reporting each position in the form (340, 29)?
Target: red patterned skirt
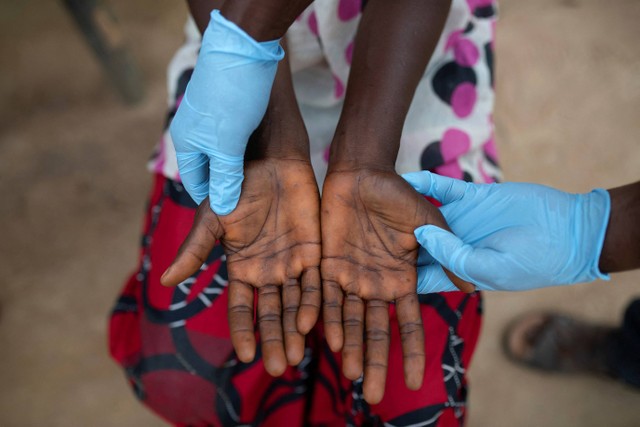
(174, 346)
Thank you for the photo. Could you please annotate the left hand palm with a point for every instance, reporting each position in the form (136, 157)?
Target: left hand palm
(369, 255)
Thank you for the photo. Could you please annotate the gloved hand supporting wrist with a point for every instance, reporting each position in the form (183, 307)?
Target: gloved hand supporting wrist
(224, 103)
(511, 236)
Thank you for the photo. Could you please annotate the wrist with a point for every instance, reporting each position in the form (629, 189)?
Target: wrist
(281, 135)
(201, 11)
(274, 142)
(368, 133)
(264, 20)
(224, 35)
(350, 152)
(282, 132)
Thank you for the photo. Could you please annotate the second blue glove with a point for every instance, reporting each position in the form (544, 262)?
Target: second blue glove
(510, 236)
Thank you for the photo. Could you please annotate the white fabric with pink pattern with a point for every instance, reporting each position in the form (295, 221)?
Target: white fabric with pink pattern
(449, 128)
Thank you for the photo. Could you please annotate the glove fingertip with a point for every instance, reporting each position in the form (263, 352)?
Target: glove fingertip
(411, 177)
(222, 209)
(197, 192)
(222, 205)
(198, 198)
(424, 232)
(224, 194)
(420, 181)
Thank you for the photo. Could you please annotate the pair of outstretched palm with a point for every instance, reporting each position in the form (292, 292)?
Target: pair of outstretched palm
(351, 254)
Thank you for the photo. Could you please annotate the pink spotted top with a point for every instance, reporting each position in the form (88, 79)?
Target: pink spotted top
(449, 128)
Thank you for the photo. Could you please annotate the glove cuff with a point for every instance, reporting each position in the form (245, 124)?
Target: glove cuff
(237, 41)
(596, 212)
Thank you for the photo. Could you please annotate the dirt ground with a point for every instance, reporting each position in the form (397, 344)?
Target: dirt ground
(73, 184)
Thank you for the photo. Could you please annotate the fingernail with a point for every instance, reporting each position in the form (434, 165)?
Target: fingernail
(164, 275)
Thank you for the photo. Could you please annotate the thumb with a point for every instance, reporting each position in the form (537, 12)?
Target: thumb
(195, 249)
(442, 188)
(225, 182)
(446, 248)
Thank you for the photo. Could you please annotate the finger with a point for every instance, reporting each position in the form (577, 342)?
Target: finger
(483, 266)
(311, 300)
(293, 339)
(240, 317)
(447, 249)
(493, 271)
(424, 257)
(225, 182)
(377, 357)
(412, 337)
(432, 216)
(353, 314)
(431, 276)
(332, 298)
(194, 173)
(270, 326)
(441, 188)
(195, 249)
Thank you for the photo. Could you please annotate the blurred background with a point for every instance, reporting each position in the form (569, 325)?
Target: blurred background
(73, 185)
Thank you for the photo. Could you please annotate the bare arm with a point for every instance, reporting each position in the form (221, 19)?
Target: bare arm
(394, 44)
(368, 213)
(201, 9)
(621, 249)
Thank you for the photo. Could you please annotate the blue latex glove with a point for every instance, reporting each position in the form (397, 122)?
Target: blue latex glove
(510, 236)
(224, 103)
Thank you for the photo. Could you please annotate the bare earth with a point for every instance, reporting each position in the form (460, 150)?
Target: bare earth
(73, 184)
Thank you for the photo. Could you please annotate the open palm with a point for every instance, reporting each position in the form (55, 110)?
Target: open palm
(272, 243)
(369, 257)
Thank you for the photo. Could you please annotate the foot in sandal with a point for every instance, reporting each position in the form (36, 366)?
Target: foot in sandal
(557, 343)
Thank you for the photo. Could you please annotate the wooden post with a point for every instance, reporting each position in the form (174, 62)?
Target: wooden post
(101, 30)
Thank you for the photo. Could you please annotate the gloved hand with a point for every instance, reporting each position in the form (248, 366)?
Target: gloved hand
(510, 236)
(224, 103)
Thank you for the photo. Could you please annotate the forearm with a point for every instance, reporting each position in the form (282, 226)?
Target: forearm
(201, 11)
(621, 249)
(261, 19)
(282, 133)
(264, 19)
(394, 43)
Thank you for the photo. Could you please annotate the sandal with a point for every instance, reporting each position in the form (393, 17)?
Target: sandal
(558, 343)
